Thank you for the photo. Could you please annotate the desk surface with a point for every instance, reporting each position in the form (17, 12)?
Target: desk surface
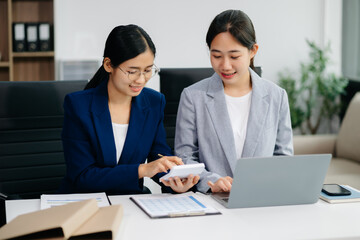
(313, 221)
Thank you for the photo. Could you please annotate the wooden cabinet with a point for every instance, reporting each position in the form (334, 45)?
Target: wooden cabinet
(24, 66)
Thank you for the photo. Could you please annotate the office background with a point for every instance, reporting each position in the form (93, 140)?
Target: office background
(178, 29)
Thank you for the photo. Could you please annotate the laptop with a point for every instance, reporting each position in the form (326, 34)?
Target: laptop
(276, 181)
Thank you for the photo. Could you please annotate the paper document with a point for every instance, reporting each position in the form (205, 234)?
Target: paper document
(52, 200)
(173, 205)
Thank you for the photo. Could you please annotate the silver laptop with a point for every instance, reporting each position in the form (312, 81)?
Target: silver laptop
(275, 181)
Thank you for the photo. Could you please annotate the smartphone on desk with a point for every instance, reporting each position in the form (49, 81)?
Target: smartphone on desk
(335, 190)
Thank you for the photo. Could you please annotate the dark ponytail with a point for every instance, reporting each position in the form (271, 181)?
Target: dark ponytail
(238, 24)
(122, 44)
(99, 76)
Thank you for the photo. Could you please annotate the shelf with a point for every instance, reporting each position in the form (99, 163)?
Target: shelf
(4, 64)
(25, 66)
(33, 54)
(33, 69)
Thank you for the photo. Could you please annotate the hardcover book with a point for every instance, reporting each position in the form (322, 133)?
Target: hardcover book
(73, 220)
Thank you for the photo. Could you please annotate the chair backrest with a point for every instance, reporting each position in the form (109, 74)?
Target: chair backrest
(31, 118)
(172, 82)
(347, 143)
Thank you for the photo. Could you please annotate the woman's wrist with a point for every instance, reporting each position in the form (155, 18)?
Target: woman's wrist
(141, 170)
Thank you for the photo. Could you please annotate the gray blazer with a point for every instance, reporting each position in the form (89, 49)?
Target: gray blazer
(203, 126)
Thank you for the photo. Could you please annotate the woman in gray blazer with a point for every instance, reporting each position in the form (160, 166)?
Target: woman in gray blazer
(234, 113)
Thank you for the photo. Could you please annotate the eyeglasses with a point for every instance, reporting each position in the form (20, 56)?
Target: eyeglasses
(135, 74)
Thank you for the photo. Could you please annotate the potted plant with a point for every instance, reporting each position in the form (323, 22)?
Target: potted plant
(316, 95)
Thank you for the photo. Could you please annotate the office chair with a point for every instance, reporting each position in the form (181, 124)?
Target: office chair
(31, 118)
(172, 82)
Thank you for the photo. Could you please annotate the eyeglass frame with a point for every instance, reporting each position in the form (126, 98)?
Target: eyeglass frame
(157, 70)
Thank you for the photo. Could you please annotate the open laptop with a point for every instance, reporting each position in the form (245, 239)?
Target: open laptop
(275, 181)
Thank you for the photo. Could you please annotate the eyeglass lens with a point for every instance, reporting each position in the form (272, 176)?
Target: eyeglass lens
(147, 73)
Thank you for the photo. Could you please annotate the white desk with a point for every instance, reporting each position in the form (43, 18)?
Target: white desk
(314, 221)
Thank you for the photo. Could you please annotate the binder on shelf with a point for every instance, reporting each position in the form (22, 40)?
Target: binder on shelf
(84, 220)
(45, 38)
(32, 37)
(19, 37)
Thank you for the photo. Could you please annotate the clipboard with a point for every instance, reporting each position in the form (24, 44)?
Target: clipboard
(173, 205)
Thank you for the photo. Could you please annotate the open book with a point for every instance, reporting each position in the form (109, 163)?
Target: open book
(78, 219)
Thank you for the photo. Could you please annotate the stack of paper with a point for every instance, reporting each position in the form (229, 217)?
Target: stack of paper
(53, 200)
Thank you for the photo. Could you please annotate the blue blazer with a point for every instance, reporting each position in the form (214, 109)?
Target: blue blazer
(89, 146)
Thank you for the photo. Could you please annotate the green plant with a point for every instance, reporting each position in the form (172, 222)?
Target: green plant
(315, 97)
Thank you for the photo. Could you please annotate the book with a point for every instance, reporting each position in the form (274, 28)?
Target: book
(173, 205)
(353, 197)
(77, 219)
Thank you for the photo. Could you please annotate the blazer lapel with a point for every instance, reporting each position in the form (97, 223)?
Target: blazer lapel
(102, 123)
(257, 116)
(138, 117)
(217, 109)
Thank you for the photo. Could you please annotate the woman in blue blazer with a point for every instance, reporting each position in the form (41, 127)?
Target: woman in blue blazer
(235, 113)
(116, 123)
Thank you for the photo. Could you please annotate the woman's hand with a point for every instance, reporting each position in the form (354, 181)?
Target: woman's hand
(160, 165)
(221, 185)
(181, 185)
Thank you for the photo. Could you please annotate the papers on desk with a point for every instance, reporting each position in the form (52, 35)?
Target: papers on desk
(173, 205)
(52, 200)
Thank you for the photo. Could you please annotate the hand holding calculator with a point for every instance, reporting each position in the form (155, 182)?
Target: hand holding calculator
(183, 171)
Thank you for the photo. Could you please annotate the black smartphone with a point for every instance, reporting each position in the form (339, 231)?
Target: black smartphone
(335, 190)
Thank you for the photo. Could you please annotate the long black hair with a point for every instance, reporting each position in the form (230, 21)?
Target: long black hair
(122, 44)
(238, 24)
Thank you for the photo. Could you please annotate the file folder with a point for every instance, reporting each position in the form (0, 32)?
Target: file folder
(45, 38)
(19, 37)
(32, 37)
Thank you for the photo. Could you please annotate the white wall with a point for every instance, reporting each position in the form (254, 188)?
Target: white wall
(178, 29)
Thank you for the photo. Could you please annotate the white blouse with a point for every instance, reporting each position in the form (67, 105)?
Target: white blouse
(238, 109)
(120, 131)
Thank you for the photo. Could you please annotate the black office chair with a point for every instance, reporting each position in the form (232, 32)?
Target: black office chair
(31, 154)
(172, 82)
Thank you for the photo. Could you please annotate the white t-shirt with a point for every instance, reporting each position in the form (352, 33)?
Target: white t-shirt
(120, 131)
(238, 109)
